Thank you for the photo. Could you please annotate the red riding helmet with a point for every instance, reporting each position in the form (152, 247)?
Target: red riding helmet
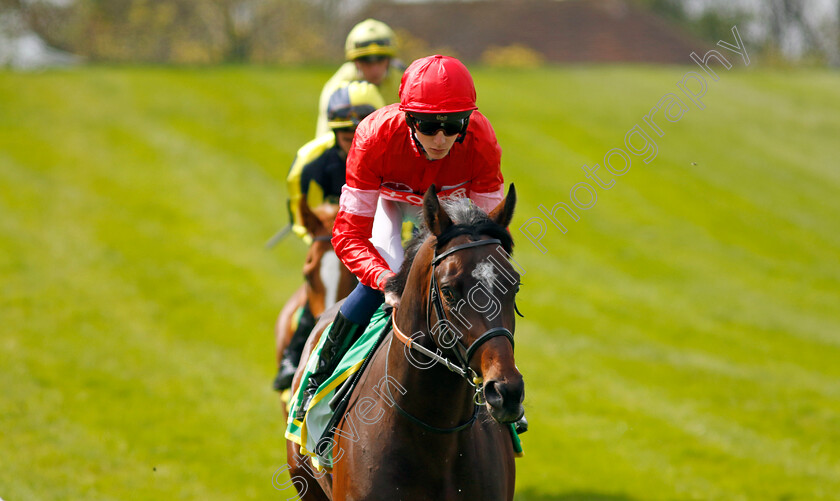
(439, 85)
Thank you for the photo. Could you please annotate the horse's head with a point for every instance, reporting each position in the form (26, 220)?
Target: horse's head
(466, 287)
(327, 279)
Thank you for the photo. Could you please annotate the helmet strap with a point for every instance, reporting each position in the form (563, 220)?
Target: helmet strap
(463, 134)
(410, 122)
(417, 144)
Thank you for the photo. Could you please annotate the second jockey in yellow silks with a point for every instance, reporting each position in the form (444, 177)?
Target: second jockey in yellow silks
(371, 51)
(317, 174)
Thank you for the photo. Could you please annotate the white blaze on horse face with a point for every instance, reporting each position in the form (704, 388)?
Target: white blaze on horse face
(484, 273)
(330, 275)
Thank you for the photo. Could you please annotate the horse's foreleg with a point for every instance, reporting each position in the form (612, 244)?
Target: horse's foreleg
(283, 328)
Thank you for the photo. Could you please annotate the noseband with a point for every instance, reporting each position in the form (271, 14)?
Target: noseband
(462, 365)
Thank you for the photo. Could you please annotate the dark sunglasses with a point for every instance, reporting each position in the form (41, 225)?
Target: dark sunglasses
(429, 128)
(382, 42)
(372, 59)
(352, 113)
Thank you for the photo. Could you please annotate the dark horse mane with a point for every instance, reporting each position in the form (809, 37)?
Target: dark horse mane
(468, 219)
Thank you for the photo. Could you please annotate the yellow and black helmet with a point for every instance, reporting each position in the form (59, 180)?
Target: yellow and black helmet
(352, 102)
(370, 38)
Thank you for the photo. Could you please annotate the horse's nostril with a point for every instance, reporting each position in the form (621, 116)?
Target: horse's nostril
(492, 394)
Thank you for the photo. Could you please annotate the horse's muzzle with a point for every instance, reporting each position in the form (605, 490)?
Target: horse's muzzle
(504, 399)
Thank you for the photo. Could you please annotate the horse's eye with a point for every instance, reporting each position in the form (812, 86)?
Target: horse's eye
(447, 295)
(516, 290)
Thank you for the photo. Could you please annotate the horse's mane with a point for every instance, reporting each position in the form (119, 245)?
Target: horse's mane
(468, 219)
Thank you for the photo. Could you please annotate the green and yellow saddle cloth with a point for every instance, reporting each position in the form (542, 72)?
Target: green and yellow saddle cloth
(308, 432)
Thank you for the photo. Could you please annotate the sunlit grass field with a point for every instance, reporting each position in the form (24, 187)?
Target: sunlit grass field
(681, 340)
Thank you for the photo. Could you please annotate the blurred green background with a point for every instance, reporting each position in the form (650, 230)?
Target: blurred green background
(680, 341)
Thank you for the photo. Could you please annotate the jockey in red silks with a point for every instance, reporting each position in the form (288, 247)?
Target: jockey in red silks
(435, 135)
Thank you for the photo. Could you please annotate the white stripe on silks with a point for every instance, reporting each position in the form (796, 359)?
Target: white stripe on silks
(488, 201)
(359, 202)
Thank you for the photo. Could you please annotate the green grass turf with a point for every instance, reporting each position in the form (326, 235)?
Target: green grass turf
(681, 341)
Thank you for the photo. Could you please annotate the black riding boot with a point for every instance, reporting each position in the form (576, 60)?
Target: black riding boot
(340, 337)
(291, 357)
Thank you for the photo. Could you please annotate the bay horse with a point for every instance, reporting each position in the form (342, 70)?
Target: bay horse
(429, 418)
(326, 279)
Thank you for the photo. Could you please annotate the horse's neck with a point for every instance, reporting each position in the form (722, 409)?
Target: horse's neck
(433, 394)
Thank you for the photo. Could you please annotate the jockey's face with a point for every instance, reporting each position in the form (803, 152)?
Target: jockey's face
(373, 68)
(438, 145)
(344, 139)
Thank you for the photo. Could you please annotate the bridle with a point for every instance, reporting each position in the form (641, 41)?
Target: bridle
(461, 352)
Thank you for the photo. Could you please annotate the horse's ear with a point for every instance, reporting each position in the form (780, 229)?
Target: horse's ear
(503, 213)
(437, 220)
(313, 225)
